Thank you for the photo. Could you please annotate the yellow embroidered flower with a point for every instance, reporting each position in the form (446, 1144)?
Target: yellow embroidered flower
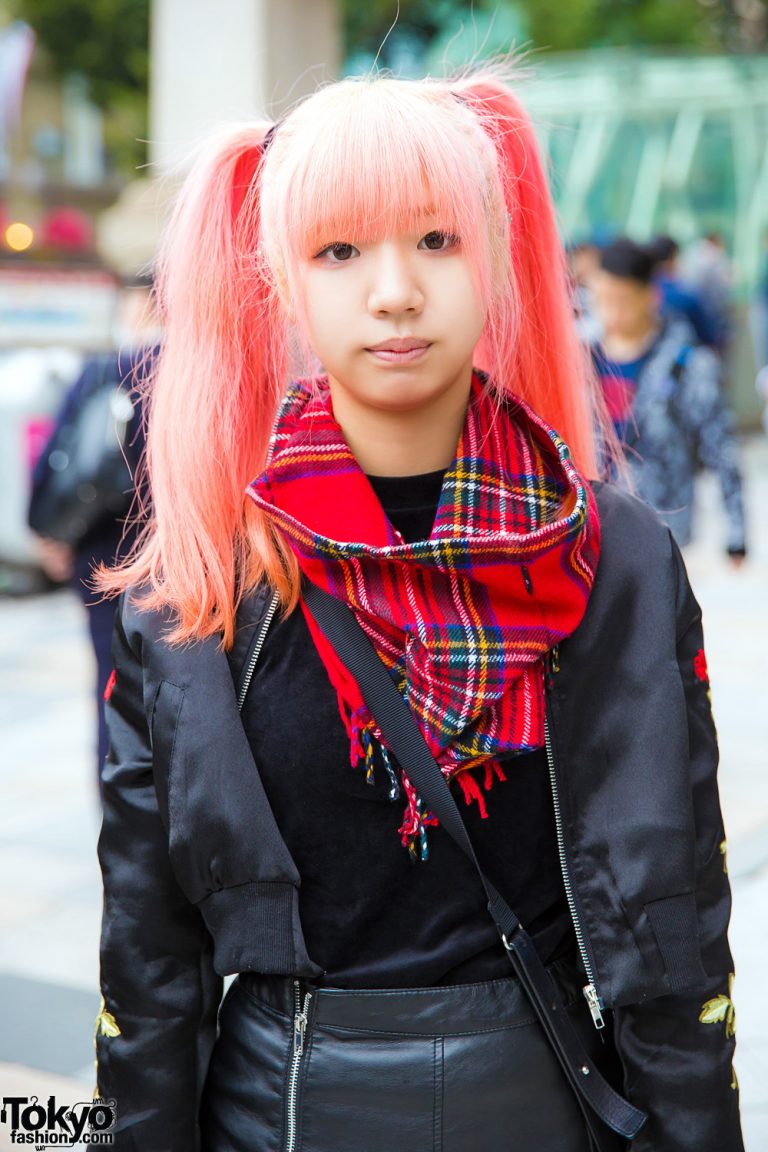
(107, 1026)
(105, 1022)
(721, 1008)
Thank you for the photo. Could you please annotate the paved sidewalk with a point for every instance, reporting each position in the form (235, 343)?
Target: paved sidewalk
(50, 903)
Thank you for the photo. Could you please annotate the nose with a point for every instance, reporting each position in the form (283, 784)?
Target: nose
(394, 285)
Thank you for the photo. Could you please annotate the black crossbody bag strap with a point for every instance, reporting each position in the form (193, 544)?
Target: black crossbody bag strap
(403, 735)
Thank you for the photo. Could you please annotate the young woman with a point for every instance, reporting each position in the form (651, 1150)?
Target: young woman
(434, 476)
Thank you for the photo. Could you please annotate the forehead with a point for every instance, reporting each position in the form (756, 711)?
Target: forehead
(373, 161)
(620, 288)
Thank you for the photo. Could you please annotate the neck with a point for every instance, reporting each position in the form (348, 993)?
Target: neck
(402, 442)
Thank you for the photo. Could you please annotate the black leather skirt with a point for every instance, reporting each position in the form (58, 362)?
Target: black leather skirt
(446, 1069)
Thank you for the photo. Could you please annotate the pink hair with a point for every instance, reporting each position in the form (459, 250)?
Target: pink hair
(533, 350)
(358, 160)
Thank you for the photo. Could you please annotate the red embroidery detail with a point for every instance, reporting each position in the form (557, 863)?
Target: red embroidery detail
(110, 684)
(700, 666)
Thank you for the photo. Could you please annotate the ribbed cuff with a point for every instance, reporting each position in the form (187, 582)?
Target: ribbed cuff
(255, 928)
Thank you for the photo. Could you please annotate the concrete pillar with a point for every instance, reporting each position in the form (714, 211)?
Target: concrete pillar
(213, 61)
(216, 60)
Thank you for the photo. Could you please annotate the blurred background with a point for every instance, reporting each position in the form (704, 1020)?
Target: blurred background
(654, 117)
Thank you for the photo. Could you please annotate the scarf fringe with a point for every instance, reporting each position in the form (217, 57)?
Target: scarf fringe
(365, 738)
(471, 788)
(394, 787)
(417, 819)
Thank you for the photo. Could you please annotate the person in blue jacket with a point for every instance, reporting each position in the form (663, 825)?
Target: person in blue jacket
(664, 393)
(112, 536)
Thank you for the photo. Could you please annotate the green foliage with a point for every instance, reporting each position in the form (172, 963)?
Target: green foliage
(652, 23)
(554, 25)
(107, 42)
(366, 24)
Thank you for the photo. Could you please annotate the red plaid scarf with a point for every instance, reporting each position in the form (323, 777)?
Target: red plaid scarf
(461, 620)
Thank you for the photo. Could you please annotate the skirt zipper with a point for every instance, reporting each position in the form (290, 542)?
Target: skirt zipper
(300, 1017)
(591, 995)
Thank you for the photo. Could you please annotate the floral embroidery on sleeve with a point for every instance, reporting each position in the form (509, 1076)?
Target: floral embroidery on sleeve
(700, 666)
(106, 1025)
(721, 1008)
(105, 1022)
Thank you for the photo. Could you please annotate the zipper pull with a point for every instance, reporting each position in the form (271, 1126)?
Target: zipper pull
(299, 1028)
(554, 659)
(595, 1005)
(300, 1025)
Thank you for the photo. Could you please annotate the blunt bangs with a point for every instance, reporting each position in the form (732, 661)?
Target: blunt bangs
(369, 158)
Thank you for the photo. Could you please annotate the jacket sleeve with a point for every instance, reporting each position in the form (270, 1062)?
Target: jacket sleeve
(678, 1049)
(157, 1023)
(709, 427)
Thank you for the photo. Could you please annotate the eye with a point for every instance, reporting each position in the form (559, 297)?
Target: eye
(438, 241)
(338, 253)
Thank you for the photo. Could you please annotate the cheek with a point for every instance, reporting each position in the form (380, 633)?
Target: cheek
(316, 311)
(471, 309)
(608, 311)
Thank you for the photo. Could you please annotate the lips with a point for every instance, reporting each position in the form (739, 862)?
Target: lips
(399, 344)
(399, 350)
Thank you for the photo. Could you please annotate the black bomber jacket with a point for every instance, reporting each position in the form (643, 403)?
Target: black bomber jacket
(198, 882)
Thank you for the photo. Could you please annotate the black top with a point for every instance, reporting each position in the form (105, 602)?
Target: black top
(371, 916)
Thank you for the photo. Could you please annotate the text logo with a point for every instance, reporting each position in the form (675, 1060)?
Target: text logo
(89, 1122)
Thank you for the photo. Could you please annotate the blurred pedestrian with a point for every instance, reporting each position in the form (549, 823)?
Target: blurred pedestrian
(663, 391)
(112, 535)
(431, 498)
(705, 270)
(761, 383)
(758, 310)
(676, 299)
(583, 262)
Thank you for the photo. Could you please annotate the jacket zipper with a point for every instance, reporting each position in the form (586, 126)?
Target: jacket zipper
(300, 1007)
(254, 656)
(300, 1018)
(590, 991)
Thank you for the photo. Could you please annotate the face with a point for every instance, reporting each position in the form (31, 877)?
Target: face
(394, 322)
(626, 308)
(584, 263)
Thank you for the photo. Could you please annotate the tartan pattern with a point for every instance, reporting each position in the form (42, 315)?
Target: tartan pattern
(462, 620)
